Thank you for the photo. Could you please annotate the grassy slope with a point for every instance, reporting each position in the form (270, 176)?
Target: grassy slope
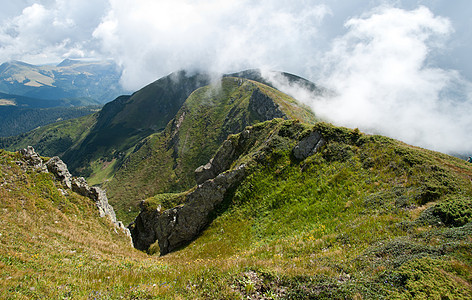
(358, 220)
(55, 246)
(165, 162)
(52, 139)
(368, 217)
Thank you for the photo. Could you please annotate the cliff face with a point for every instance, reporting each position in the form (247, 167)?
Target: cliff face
(175, 227)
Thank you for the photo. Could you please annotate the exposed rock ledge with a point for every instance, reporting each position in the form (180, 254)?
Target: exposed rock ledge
(180, 225)
(77, 184)
(177, 226)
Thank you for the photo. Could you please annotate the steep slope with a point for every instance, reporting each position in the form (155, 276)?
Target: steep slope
(322, 212)
(97, 81)
(165, 161)
(122, 123)
(53, 244)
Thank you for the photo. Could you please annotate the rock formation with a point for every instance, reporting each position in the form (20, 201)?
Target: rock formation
(177, 226)
(308, 145)
(33, 159)
(57, 167)
(219, 163)
(264, 106)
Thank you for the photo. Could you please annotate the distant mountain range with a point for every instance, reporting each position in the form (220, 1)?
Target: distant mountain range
(97, 81)
(32, 96)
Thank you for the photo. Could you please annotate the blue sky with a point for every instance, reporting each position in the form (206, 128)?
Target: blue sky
(399, 68)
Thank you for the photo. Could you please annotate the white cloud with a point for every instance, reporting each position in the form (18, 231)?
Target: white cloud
(383, 84)
(154, 38)
(51, 30)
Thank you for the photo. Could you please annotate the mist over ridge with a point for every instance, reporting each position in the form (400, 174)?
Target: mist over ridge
(397, 68)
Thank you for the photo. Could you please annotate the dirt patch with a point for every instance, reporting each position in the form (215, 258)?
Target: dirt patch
(7, 102)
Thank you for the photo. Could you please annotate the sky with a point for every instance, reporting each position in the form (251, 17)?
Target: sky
(398, 68)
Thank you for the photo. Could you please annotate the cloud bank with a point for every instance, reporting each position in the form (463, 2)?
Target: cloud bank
(51, 31)
(154, 38)
(384, 64)
(384, 83)
(380, 79)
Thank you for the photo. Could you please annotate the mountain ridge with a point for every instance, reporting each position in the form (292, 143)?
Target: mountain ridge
(97, 81)
(203, 122)
(122, 122)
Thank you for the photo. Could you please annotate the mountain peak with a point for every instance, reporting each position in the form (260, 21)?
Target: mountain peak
(67, 62)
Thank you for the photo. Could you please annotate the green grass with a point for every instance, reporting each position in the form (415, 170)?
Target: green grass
(358, 220)
(164, 201)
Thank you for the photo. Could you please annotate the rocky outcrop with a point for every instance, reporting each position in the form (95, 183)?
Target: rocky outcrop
(33, 159)
(229, 151)
(98, 195)
(219, 163)
(79, 185)
(56, 166)
(308, 145)
(265, 106)
(177, 226)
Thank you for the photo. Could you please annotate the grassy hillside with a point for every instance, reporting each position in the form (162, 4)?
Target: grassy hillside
(366, 217)
(107, 137)
(54, 245)
(122, 123)
(15, 121)
(165, 162)
(53, 139)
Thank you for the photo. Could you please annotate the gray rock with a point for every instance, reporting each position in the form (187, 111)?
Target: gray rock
(79, 185)
(180, 225)
(204, 172)
(264, 106)
(98, 195)
(101, 200)
(33, 159)
(308, 146)
(143, 230)
(219, 163)
(57, 167)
